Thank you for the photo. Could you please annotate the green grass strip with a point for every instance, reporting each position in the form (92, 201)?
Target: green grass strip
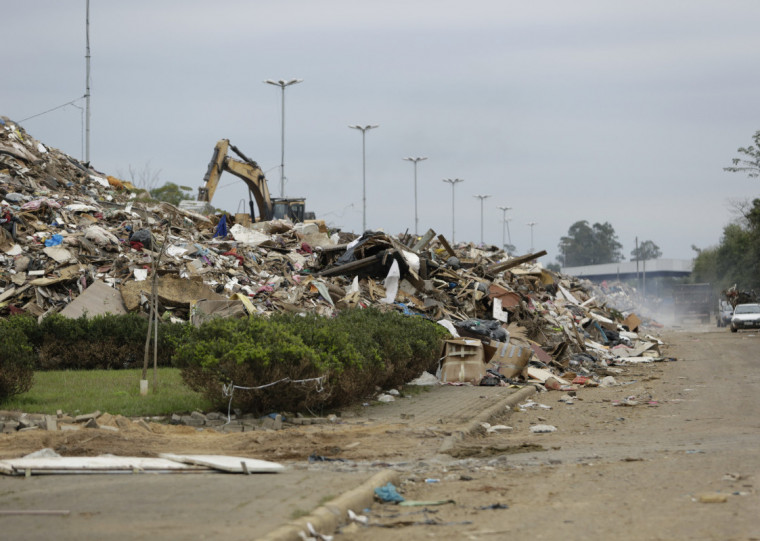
(117, 392)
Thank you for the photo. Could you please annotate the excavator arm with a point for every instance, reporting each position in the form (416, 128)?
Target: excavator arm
(247, 170)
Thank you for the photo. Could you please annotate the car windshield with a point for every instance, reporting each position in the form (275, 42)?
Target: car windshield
(748, 309)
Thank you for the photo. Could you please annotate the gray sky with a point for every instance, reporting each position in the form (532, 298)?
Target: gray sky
(602, 110)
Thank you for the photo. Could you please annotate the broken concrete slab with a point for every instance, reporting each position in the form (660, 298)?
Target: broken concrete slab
(98, 299)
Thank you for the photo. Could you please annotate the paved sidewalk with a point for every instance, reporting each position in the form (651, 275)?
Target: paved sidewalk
(446, 405)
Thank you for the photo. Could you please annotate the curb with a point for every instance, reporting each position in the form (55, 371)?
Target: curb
(485, 416)
(326, 518)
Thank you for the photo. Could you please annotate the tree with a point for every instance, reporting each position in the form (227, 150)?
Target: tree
(145, 178)
(736, 259)
(646, 251)
(171, 193)
(750, 164)
(589, 245)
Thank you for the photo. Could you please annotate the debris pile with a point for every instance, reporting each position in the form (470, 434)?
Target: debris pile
(77, 241)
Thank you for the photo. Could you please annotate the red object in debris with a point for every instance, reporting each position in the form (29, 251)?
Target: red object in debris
(236, 255)
(580, 380)
(137, 246)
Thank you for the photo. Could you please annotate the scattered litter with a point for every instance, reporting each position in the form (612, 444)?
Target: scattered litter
(388, 493)
(493, 506)
(543, 429)
(424, 503)
(711, 497)
(425, 379)
(532, 405)
(353, 517)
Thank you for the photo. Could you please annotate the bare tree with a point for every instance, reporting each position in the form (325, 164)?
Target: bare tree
(144, 178)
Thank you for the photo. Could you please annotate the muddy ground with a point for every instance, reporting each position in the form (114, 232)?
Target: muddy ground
(689, 435)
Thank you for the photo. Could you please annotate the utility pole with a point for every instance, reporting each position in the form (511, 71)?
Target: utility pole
(87, 82)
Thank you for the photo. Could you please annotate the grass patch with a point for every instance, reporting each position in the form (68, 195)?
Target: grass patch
(298, 513)
(113, 391)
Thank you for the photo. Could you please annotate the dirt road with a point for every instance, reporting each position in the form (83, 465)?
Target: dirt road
(634, 461)
(646, 471)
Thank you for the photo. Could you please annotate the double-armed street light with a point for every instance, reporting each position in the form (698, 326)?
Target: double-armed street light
(282, 84)
(364, 130)
(531, 224)
(505, 223)
(482, 198)
(415, 161)
(453, 182)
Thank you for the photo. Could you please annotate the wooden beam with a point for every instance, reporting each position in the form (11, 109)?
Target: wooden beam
(499, 267)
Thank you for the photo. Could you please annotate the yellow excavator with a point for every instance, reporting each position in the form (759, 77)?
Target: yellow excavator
(270, 208)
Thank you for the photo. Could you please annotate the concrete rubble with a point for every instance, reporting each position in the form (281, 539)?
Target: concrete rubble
(86, 242)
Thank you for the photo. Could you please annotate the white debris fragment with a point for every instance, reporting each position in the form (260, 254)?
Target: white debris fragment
(543, 429)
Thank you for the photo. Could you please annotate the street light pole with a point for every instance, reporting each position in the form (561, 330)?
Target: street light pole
(504, 223)
(482, 198)
(453, 182)
(415, 161)
(531, 224)
(282, 84)
(364, 129)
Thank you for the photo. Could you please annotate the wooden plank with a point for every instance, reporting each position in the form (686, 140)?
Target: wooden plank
(500, 267)
(447, 246)
(424, 241)
(354, 265)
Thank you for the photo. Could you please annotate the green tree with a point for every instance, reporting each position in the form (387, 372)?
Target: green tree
(736, 259)
(749, 164)
(171, 193)
(646, 251)
(589, 245)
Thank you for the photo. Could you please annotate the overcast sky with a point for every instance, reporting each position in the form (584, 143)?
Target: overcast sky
(598, 110)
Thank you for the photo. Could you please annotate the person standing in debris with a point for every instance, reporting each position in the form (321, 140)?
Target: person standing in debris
(8, 221)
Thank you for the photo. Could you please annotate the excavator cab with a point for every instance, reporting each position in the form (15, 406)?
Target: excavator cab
(292, 209)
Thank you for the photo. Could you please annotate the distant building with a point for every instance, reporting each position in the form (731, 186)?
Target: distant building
(626, 270)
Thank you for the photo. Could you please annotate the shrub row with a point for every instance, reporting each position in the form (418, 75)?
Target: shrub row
(100, 342)
(352, 354)
(16, 363)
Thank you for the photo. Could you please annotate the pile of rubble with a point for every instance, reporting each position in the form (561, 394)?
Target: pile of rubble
(78, 241)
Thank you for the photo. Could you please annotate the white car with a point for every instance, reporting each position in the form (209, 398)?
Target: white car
(746, 316)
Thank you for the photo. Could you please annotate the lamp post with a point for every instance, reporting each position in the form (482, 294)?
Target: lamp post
(504, 223)
(531, 224)
(415, 161)
(482, 198)
(364, 130)
(282, 84)
(453, 182)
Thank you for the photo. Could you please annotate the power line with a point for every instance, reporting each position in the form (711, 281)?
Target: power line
(51, 110)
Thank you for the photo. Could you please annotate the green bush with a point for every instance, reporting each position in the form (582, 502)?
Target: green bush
(353, 352)
(248, 353)
(100, 342)
(16, 362)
